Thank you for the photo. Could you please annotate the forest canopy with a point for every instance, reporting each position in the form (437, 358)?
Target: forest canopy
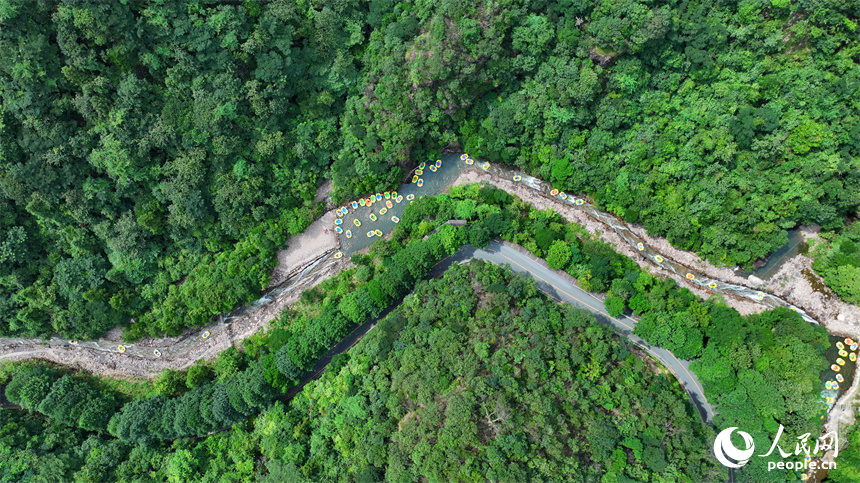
(155, 154)
(760, 370)
(477, 376)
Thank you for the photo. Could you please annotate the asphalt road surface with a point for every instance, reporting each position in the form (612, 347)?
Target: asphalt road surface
(562, 290)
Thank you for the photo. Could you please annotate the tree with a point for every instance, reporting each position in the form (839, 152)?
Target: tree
(615, 306)
(170, 382)
(30, 386)
(197, 374)
(558, 254)
(286, 365)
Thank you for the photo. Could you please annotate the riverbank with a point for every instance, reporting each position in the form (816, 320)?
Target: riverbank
(115, 364)
(602, 231)
(317, 239)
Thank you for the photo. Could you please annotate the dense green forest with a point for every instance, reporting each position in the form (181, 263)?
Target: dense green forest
(154, 154)
(760, 371)
(837, 260)
(476, 376)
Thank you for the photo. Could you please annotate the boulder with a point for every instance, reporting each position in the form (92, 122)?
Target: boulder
(755, 281)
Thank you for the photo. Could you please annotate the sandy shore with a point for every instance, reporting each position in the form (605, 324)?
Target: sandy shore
(317, 239)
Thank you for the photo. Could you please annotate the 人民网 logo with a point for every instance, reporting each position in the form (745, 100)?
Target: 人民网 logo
(724, 448)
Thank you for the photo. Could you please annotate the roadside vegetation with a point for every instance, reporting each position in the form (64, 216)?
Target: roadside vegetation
(733, 356)
(155, 155)
(475, 376)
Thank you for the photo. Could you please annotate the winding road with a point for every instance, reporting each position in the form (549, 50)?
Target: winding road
(562, 290)
(555, 285)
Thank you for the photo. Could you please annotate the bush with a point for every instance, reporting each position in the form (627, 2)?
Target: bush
(198, 374)
(170, 382)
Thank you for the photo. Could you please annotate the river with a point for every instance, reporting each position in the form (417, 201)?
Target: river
(433, 183)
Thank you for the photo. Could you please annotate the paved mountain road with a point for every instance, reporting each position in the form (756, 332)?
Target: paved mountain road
(562, 290)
